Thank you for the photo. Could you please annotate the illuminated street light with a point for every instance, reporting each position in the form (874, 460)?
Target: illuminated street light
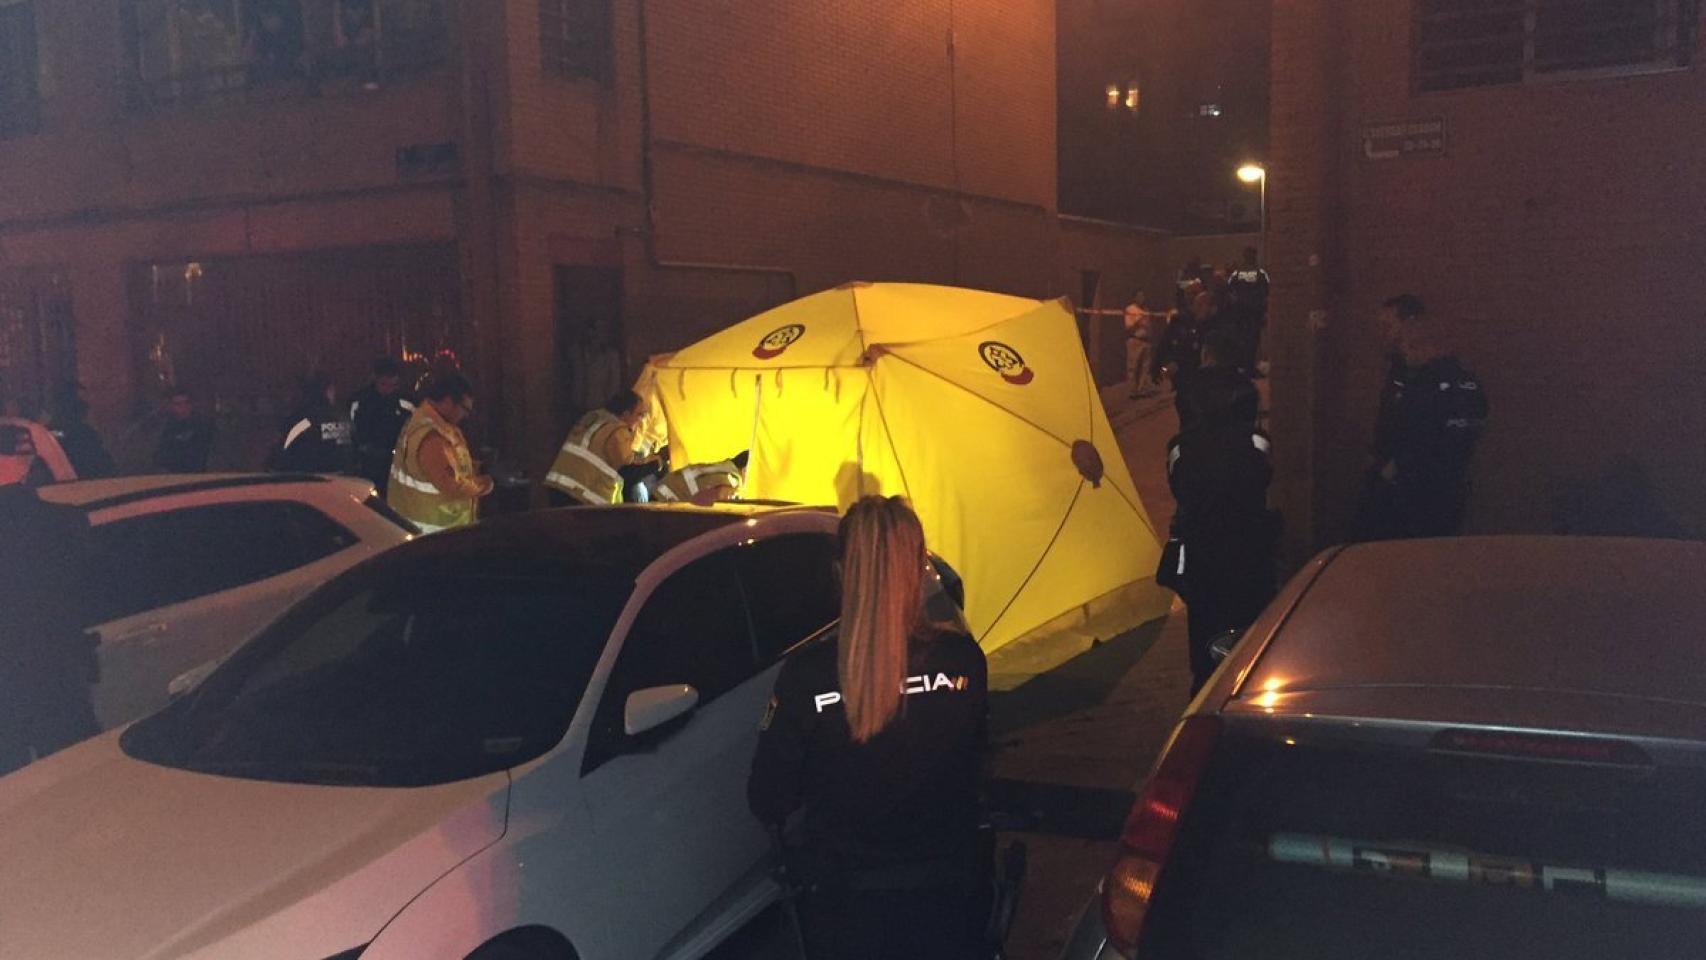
(1252, 173)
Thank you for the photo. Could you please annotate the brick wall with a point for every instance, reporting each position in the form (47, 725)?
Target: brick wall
(1556, 241)
(854, 141)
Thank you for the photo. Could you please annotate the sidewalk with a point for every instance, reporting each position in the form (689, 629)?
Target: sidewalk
(1073, 741)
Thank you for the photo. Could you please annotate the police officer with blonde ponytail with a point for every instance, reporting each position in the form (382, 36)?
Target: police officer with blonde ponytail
(872, 752)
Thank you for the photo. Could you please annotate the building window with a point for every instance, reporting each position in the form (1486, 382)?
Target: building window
(20, 88)
(219, 49)
(1475, 43)
(575, 39)
(37, 347)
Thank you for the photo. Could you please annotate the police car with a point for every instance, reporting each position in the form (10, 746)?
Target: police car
(187, 567)
(1447, 748)
(529, 738)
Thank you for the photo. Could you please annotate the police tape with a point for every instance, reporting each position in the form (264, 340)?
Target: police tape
(1445, 865)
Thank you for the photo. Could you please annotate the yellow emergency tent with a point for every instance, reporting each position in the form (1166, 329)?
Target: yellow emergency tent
(979, 407)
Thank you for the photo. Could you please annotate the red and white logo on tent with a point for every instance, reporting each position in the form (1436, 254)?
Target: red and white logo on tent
(1006, 361)
(778, 340)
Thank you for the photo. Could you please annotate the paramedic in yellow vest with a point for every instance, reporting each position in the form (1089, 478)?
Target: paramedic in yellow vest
(587, 468)
(703, 483)
(432, 471)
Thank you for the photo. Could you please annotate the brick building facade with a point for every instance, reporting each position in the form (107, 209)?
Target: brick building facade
(1524, 166)
(552, 189)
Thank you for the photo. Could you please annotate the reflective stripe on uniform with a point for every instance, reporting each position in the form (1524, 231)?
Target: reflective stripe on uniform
(571, 485)
(596, 460)
(406, 405)
(297, 431)
(398, 476)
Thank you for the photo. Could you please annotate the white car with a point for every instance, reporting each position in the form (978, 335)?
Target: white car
(526, 739)
(188, 567)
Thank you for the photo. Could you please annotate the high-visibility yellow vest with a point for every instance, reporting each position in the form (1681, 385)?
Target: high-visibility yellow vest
(580, 469)
(685, 484)
(414, 496)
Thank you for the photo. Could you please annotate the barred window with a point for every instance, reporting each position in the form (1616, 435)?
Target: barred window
(20, 87)
(1474, 43)
(186, 50)
(575, 39)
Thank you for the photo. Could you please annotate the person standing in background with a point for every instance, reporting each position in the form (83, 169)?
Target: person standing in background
(377, 414)
(316, 435)
(68, 422)
(186, 439)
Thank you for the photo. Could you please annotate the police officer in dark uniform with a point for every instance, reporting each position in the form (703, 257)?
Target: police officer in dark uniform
(1432, 413)
(377, 414)
(872, 753)
(1247, 293)
(69, 424)
(1219, 470)
(1181, 346)
(47, 661)
(316, 436)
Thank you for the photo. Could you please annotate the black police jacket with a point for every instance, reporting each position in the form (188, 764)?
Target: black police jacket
(1431, 419)
(316, 440)
(908, 794)
(1219, 473)
(377, 420)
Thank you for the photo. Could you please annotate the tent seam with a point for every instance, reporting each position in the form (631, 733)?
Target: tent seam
(967, 390)
(1041, 559)
(888, 435)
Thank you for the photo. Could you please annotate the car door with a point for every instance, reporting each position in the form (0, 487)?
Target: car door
(669, 806)
(675, 801)
(175, 589)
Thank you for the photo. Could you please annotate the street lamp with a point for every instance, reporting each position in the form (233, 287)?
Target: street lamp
(1256, 173)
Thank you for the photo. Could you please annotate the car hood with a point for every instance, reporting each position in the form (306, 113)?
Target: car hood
(106, 856)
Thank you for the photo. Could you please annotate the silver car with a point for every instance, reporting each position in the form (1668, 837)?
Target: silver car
(1481, 747)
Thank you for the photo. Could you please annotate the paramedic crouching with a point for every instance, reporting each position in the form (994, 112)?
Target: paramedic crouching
(872, 750)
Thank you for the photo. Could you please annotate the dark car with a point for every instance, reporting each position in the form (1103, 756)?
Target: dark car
(1480, 747)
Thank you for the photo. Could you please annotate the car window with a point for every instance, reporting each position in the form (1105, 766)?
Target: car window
(791, 588)
(158, 559)
(401, 674)
(693, 629)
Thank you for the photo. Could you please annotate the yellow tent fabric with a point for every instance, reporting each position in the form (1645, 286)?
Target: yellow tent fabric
(968, 403)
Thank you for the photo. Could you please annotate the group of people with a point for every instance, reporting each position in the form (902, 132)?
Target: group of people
(1233, 300)
(608, 458)
(1220, 555)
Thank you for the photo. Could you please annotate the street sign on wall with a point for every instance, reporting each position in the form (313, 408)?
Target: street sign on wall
(1405, 138)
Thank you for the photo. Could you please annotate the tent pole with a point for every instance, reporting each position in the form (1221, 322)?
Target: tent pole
(757, 408)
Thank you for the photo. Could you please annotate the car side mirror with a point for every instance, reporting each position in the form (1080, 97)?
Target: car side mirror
(653, 707)
(1220, 646)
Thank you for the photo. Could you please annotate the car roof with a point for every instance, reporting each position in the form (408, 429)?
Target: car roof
(102, 494)
(1598, 616)
(618, 540)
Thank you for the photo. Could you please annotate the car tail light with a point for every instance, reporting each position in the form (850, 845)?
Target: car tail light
(1152, 827)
